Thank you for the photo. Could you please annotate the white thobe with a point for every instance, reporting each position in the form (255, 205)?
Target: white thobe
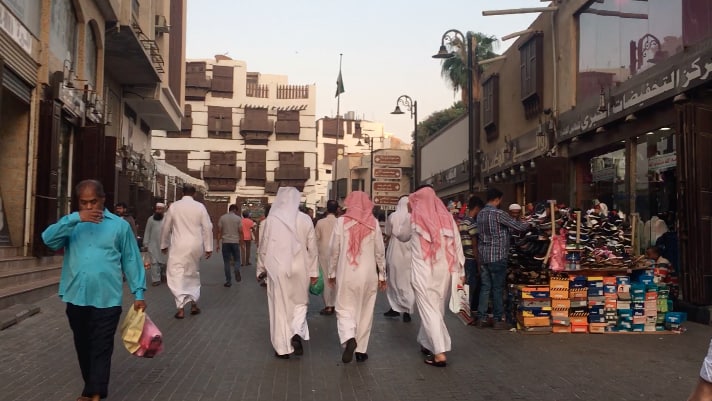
(187, 232)
(398, 262)
(356, 285)
(152, 240)
(432, 281)
(324, 229)
(288, 276)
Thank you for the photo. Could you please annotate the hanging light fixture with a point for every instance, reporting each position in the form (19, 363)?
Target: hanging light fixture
(512, 171)
(532, 164)
(521, 168)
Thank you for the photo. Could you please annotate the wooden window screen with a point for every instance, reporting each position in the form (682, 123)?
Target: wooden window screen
(177, 158)
(532, 76)
(490, 106)
(329, 127)
(255, 113)
(330, 152)
(288, 125)
(223, 158)
(222, 82)
(291, 159)
(256, 163)
(219, 122)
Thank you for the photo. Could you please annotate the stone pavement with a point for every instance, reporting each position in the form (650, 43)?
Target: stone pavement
(225, 354)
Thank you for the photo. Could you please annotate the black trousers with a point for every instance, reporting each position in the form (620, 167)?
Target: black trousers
(94, 330)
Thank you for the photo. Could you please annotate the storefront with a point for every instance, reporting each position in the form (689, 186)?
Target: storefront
(19, 26)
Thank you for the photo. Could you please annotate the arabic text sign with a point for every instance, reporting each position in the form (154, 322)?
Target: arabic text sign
(387, 173)
(387, 159)
(381, 186)
(385, 200)
(662, 162)
(15, 30)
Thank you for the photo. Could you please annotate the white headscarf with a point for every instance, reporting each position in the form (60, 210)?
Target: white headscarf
(400, 215)
(281, 232)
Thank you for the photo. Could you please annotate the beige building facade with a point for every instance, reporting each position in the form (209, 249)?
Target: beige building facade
(608, 101)
(245, 134)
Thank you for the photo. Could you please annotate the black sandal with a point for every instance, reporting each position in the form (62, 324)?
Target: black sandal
(194, 310)
(425, 351)
(432, 362)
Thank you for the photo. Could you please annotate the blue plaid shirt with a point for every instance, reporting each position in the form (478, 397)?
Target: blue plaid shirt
(494, 228)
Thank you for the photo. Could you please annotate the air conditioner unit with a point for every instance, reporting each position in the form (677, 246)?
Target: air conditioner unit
(161, 25)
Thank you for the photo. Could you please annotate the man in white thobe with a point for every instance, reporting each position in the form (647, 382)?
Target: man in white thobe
(288, 257)
(357, 270)
(189, 233)
(437, 255)
(152, 240)
(398, 265)
(323, 230)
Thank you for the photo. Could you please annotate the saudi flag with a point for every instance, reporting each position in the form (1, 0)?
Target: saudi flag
(339, 85)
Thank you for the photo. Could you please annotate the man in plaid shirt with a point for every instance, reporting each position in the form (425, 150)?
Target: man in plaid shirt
(494, 227)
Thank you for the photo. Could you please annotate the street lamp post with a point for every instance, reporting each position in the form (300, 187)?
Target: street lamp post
(412, 106)
(368, 141)
(473, 110)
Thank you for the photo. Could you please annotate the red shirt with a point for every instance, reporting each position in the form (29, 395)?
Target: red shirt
(247, 225)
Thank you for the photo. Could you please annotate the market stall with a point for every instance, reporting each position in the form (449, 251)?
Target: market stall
(578, 272)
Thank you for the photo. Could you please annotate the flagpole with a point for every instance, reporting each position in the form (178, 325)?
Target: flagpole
(338, 131)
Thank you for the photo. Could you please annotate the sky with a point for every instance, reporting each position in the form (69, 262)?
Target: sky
(386, 45)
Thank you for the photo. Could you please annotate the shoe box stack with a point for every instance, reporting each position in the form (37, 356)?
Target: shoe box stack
(578, 297)
(533, 308)
(560, 304)
(608, 304)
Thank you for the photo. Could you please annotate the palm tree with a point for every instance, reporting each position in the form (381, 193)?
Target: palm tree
(454, 69)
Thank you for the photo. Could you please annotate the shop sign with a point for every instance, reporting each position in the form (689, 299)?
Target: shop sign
(692, 71)
(662, 162)
(15, 30)
(604, 174)
(387, 173)
(387, 159)
(385, 200)
(381, 186)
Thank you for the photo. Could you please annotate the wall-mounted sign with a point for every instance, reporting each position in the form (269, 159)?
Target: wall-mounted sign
(385, 186)
(387, 159)
(387, 173)
(385, 200)
(15, 30)
(662, 162)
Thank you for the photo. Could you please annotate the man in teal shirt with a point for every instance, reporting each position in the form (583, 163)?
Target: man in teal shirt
(99, 249)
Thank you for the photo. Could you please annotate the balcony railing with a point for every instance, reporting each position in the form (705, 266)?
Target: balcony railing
(257, 90)
(293, 92)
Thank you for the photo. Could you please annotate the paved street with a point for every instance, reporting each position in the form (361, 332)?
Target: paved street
(224, 354)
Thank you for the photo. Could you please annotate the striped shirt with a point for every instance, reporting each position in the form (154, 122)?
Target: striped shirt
(494, 228)
(468, 231)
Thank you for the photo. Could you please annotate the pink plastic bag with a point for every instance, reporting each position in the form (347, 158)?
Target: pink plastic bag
(151, 341)
(557, 261)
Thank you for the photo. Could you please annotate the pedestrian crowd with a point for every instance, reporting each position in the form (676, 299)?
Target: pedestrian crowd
(424, 249)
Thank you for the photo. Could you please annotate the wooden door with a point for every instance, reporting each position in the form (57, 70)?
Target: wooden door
(695, 202)
(47, 178)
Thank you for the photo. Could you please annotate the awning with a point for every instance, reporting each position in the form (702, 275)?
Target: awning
(172, 171)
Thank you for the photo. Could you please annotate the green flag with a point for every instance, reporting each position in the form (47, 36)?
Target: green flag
(339, 85)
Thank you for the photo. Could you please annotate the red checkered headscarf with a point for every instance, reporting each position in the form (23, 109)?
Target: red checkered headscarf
(359, 208)
(434, 224)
